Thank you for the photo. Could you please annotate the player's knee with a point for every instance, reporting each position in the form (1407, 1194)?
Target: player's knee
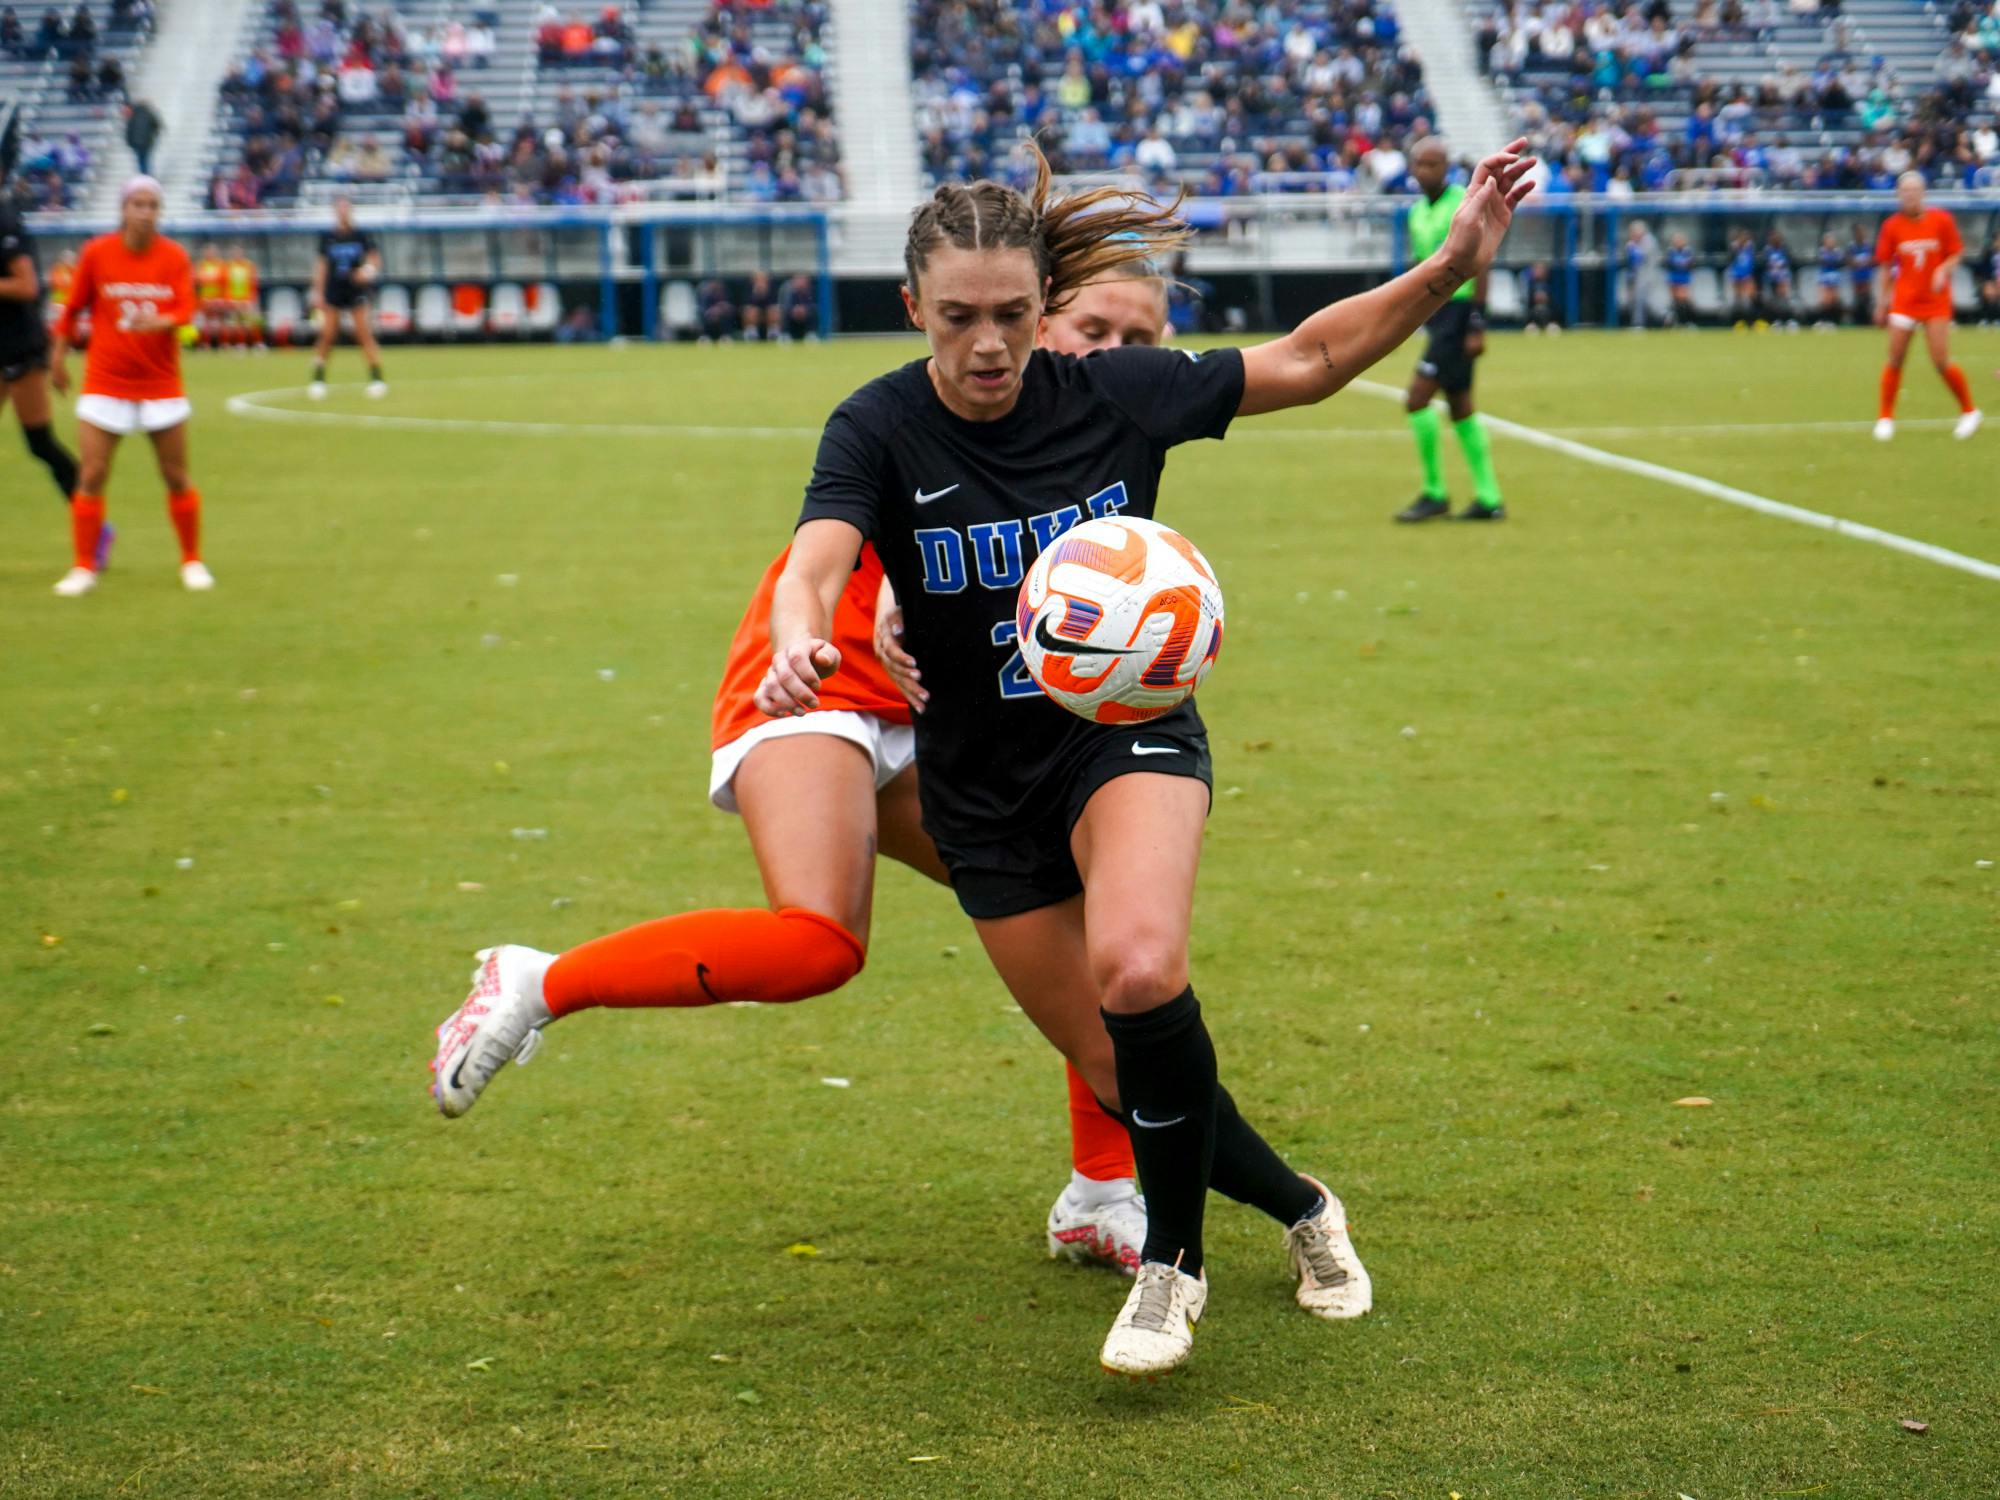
(822, 955)
(1140, 975)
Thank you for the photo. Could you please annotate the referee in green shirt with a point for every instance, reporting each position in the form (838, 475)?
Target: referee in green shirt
(1457, 338)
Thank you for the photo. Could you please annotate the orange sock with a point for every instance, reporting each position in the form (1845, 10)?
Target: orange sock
(1892, 381)
(1955, 378)
(185, 510)
(1099, 1147)
(86, 520)
(706, 957)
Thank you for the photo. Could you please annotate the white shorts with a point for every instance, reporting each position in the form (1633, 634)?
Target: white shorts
(891, 747)
(122, 418)
(1906, 322)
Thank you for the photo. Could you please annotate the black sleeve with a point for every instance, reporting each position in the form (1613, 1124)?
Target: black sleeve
(1171, 395)
(847, 475)
(325, 242)
(14, 241)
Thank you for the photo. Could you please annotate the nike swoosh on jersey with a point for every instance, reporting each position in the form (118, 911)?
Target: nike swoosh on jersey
(1139, 749)
(1049, 641)
(923, 499)
(1145, 1124)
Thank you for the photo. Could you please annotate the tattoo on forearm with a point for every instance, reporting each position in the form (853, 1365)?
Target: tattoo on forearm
(1447, 281)
(1325, 358)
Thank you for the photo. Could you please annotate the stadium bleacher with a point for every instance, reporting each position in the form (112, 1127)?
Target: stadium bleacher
(515, 101)
(68, 71)
(1811, 96)
(1298, 96)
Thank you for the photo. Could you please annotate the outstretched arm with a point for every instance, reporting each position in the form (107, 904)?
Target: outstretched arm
(1337, 343)
(802, 605)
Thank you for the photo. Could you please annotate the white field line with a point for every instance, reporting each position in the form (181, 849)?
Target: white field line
(1944, 557)
(254, 405)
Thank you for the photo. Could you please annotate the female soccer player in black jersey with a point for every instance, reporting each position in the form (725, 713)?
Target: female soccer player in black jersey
(1073, 846)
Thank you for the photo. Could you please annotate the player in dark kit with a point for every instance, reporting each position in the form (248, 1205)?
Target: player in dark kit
(349, 265)
(1073, 845)
(1861, 274)
(24, 357)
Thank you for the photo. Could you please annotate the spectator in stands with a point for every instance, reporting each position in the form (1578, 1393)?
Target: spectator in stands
(142, 133)
(82, 32)
(577, 40)
(480, 44)
(13, 36)
(371, 162)
(50, 35)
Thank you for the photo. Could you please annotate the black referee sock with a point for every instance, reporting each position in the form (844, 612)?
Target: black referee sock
(61, 462)
(1248, 1170)
(1166, 1081)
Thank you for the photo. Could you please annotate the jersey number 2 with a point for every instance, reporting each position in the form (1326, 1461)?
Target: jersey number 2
(1014, 679)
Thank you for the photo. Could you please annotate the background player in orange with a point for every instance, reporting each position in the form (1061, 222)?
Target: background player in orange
(818, 870)
(138, 288)
(1921, 247)
(211, 309)
(245, 326)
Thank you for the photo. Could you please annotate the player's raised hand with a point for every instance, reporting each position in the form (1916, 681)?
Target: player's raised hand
(901, 666)
(1498, 185)
(791, 686)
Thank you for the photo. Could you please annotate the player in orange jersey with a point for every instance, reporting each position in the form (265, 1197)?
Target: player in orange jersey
(1921, 247)
(239, 290)
(211, 308)
(817, 859)
(138, 289)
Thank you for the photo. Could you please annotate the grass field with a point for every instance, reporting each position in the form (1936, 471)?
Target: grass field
(1522, 834)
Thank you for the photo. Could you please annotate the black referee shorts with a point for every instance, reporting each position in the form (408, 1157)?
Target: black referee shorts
(1445, 359)
(1033, 867)
(345, 296)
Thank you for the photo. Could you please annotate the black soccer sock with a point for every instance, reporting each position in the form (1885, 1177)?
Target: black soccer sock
(1248, 1170)
(62, 463)
(1166, 1081)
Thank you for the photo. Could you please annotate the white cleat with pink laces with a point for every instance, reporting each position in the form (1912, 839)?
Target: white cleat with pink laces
(499, 1023)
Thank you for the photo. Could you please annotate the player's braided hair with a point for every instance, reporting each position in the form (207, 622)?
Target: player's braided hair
(1074, 240)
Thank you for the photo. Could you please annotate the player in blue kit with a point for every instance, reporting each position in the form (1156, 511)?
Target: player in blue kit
(1742, 277)
(1832, 269)
(1776, 262)
(1861, 275)
(1680, 283)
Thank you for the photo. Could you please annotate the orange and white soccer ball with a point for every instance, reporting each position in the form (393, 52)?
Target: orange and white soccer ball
(1120, 619)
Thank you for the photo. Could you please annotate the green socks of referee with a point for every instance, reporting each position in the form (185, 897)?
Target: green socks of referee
(1427, 427)
(1477, 447)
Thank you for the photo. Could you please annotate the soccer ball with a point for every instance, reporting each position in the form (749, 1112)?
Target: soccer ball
(1120, 619)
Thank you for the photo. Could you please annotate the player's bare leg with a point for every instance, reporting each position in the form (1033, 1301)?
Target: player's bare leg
(170, 451)
(364, 335)
(95, 450)
(1892, 379)
(1937, 339)
(328, 336)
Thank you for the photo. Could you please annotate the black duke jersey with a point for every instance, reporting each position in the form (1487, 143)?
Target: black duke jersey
(22, 332)
(345, 250)
(958, 511)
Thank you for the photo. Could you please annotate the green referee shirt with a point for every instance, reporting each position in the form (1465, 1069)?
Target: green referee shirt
(1429, 223)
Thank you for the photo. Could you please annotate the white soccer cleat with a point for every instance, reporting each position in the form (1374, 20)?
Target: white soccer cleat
(500, 1022)
(1155, 1329)
(317, 390)
(377, 389)
(1968, 423)
(76, 581)
(1332, 1282)
(1884, 429)
(196, 578)
(1110, 1233)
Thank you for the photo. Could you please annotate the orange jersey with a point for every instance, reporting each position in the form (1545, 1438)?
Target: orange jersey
(1914, 249)
(60, 277)
(208, 274)
(241, 281)
(115, 286)
(861, 685)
